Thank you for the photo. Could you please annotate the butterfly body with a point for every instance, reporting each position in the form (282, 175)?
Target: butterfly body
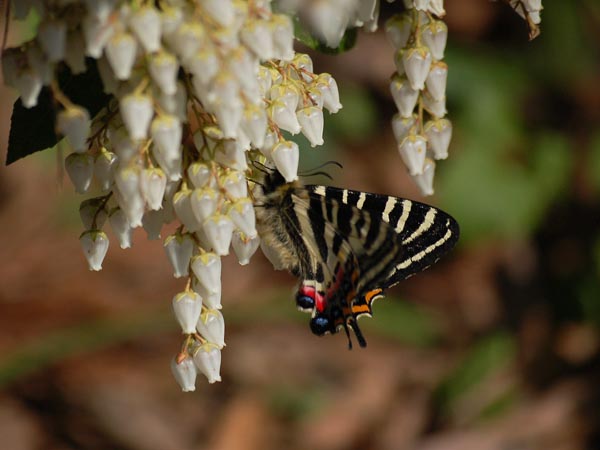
(346, 246)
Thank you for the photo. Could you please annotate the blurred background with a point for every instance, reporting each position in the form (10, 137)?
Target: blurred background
(495, 347)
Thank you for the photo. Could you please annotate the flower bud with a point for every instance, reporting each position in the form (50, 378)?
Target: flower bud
(120, 226)
(218, 229)
(204, 203)
(286, 156)
(416, 62)
(183, 208)
(398, 29)
(283, 117)
(402, 126)
(311, 121)
(145, 23)
(244, 247)
(52, 37)
(137, 112)
(210, 300)
(74, 123)
(287, 93)
(104, 165)
(436, 80)
(80, 168)
(121, 52)
(208, 360)
(187, 307)
(434, 36)
(185, 374)
(95, 246)
(207, 268)
(329, 89)
(163, 68)
(235, 184)
(199, 173)
(412, 151)
(212, 327)
(425, 180)
(152, 186)
(166, 136)
(254, 124)
(96, 34)
(404, 96)
(242, 214)
(179, 249)
(439, 133)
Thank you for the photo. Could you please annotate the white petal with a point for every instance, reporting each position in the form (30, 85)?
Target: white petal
(218, 229)
(425, 179)
(412, 150)
(179, 249)
(436, 80)
(52, 37)
(311, 121)
(207, 268)
(404, 96)
(242, 214)
(286, 156)
(145, 23)
(212, 327)
(121, 228)
(434, 36)
(75, 124)
(439, 134)
(121, 52)
(402, 126)
(137, 112)
(416, 62)
(185, 374)
(103, 168)
(163, 68)
(187, 307)
(80, 168)
(153, 183)
(244, 247)
(95, 246)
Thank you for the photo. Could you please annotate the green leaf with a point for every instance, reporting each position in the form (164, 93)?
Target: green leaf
(303, 35)
(32, 130)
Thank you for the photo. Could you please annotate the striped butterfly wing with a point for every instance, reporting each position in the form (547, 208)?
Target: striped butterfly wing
(378, 241)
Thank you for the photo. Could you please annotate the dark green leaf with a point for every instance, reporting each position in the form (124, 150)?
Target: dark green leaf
(32, 129)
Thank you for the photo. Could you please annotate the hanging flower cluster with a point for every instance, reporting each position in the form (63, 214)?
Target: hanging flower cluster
(419, 88)
(199, 91)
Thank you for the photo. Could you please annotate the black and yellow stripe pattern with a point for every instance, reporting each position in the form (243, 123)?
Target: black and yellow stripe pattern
(346, 246)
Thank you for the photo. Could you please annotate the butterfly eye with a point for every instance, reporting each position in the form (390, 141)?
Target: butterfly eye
(320, 325)
(305, 303)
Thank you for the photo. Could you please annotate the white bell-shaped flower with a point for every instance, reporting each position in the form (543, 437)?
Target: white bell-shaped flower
(425, 180)
(271, 139)
(29, 84)
(283, 37)
(122, 145)
(218, 229)
(183, 208)
(104, 166)
(74, 123)
(235, 184)
(204, 203)
(437, 108)
(436, 80)
(287, 93)
(412, 151)
(439, 134)
(163, 68)
(231, 154)
(254, 124)
(329, 21)
(416, 62)
(166, 136)
(120, 226)
(199, 173)
(188, 39)
(405, 97)
(311, 121)
(96, 33)
(92, 213)
(221, 11)
(145, 23)
(244, 247)
(212, 327)
(179, 249)
(175, 104)
(75, 53)
(121, 52)
(95, 245)
(210, 299)
(129, 196)
(257, 36)
(137, 112)
(283, 117)
(185, 373)
(398, 29)
(152, 222)
(171, 18)
(153, 183)
(435, 35)
(264, 80)
(52, 37)
(207, 268)
(80, 168)
(286, 156)
(402, 126)
(437, 7)
(242, 214)
(208, 361)
(187, 307)
(329, 89)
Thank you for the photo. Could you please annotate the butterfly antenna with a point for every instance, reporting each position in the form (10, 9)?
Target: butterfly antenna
(348, 336)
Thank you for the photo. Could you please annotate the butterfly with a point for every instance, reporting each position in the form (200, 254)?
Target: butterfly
(346, 247)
